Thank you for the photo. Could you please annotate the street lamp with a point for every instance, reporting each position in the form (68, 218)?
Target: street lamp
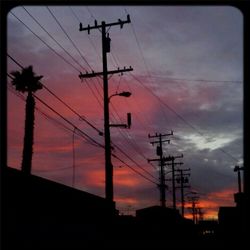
(108, 148)
(124, 94)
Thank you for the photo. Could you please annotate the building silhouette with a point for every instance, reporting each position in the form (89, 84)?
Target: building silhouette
(41, 214)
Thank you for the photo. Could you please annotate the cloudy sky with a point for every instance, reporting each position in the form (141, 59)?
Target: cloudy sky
(187, 77)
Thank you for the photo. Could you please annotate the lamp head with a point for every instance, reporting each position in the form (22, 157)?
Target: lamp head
(125, 94)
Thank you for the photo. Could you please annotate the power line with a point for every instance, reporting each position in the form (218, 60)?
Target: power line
(97, 90)
(118, 84)
(16, 62)
(83, 134)
(42, 27)
(70, 130)
(67, 105)
(133, 144)
(81, 117)
(88, 138)
(144, 170)
(136, 171)
(65, 60)
(63, 102)
(195, 80)
(178, 115)
(40, 111)
(64, 31)
(165, 104)
(91, 41)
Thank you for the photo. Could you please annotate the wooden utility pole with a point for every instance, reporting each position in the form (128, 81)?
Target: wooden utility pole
(194, 202)
(182, 179)
(172, 159)
(238, 169)
(159, 152)
(109, 190)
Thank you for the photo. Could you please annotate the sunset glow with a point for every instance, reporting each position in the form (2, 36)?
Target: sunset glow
(187, 77)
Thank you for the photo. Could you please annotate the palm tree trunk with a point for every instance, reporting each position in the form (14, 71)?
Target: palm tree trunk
(28, 134)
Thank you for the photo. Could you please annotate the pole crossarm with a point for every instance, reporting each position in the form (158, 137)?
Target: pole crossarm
(175, 163)
(94, 74)
(96, 26)
(149, 160)
(158, 135)
(172, 158)
(153, 142)
(119, 125)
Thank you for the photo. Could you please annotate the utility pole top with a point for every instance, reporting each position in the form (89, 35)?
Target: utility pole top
(96, 26)
(94, 74)
(162, 186)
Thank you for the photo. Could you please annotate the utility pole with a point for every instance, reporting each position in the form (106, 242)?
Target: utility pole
(238, 169)
(194, 202)
(172, 159)
(159, 152)
(182, 179)
(200, 213)
(106, 49)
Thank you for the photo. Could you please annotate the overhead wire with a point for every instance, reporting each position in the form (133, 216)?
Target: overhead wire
(48, 117)
(87, 137)
(59, 99)
(89, 86)
(65, 32)
(179, 116)
(76, 128)
(134, 145)
(136, 171)
(42, 27)
(64, 59)
(132, 160)
(164, 103)
(195, 80)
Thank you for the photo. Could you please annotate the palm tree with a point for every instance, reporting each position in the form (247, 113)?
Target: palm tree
(27, 81)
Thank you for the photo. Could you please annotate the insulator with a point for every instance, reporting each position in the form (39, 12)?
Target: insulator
(129, 119)
(128, 18)
(80, 28)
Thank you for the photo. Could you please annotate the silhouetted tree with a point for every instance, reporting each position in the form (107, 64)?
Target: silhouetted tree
(27, 81)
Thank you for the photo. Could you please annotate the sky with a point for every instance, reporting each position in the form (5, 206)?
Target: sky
(187, 77)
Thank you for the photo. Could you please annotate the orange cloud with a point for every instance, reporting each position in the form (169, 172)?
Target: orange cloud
(210, 203)
(124, 177)
(126, 200)
(94, 178)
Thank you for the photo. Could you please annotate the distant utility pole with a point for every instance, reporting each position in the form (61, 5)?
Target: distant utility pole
(200, 213)
(106, 49)
(183, 179)
(194, 202)
(172, 159)
(159, 152)
(238, 169)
